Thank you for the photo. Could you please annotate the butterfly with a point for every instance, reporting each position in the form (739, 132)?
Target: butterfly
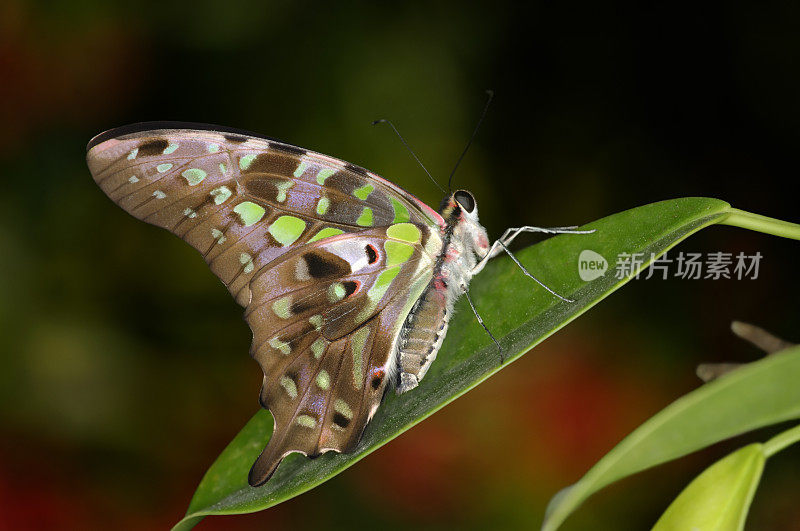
(347, 280)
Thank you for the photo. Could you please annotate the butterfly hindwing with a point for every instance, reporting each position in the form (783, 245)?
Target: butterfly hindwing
(325, 319)
(242, 201)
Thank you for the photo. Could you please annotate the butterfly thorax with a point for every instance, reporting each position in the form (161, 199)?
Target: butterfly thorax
(465, 242)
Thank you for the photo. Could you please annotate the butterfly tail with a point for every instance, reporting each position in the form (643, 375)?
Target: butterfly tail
(265, 466)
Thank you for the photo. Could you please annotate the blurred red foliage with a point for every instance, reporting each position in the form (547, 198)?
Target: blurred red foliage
(58, 71)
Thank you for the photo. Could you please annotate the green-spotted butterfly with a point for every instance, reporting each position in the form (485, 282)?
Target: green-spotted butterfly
(347, 280)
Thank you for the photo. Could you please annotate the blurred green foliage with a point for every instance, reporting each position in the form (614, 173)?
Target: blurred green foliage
(123, 362)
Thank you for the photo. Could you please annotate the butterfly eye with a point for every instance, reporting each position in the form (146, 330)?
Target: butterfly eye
(372, 253)
(466, 200)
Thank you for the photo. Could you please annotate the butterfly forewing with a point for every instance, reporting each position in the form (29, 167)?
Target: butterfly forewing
(327, 258)
(243, 201)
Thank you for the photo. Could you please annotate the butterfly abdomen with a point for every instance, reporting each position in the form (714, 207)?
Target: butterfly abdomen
(421, 337)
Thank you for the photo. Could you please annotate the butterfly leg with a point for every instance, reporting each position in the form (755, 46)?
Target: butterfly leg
(511, 233)
(501, 245)
(480, 320)
(529, 275)
(508, 236)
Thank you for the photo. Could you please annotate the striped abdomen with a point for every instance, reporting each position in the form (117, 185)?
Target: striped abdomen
(421, 337)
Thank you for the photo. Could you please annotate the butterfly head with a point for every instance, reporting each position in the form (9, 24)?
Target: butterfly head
(460, 211)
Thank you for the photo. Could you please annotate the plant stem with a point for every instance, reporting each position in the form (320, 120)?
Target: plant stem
(747, 220)
(781, 441)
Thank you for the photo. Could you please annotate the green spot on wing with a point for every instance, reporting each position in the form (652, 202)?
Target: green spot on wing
(283, 186)
(288, 384)
(306, 421)
(397, 252)
(218, 235)
(301, 169)
(221, 194)
(249, 212)
(408, 232)
(363, 192)
(327, 232)
(246, 161)
(382, 283)
(287, 229)
(323, 379)
(340, 406)
(400, 211)
(358, 342)
(194, 176)
(161, 168)
(316, 321)
(365, 219)
(246, 260)
(336, 292)
(281, 307)
(318, 347)
(323, 174)
(280, 345)
(322, 205)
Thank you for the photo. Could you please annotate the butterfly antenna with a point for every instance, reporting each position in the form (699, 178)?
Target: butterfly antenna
(474, 133)
(403, 140)
(480, 320)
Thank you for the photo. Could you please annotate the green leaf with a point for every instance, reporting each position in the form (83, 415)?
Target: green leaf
(520, 313)
(759, 394)
(719, 498)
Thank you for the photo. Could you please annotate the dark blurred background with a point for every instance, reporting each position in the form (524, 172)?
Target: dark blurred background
(123, 362)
